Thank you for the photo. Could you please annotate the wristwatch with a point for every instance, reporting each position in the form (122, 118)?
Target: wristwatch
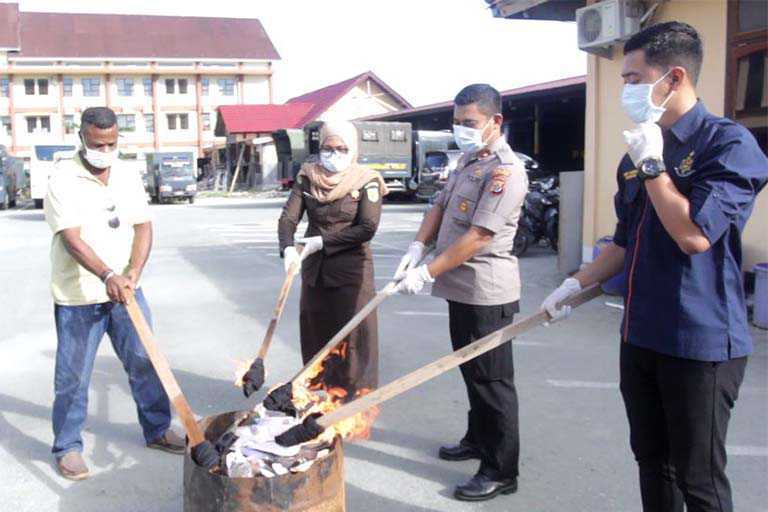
(650, 168)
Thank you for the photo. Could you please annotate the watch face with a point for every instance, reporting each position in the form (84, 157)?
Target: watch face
(650, 168)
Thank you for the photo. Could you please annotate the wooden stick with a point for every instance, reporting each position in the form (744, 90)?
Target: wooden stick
(348, 328)
(450, 361)
(278, 312)
(237, 170)
(163, 369)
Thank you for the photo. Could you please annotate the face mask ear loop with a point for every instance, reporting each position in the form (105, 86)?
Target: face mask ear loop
(671, 93)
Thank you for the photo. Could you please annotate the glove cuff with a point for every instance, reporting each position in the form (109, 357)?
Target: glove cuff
(572, 284)
(425, 275)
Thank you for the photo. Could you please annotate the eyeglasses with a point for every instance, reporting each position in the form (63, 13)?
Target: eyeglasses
(340, 149)
(114, 222)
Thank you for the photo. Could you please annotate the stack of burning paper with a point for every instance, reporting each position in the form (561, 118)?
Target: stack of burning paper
(255, 452)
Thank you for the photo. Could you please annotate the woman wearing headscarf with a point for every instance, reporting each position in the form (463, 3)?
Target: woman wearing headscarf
(342, 201)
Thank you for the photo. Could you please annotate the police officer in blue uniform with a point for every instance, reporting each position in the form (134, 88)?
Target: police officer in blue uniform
(686, 190)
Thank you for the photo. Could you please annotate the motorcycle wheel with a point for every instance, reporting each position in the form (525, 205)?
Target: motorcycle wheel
(522, 240)
(552, 233)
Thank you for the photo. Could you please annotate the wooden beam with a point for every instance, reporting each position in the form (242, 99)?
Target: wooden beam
(237, 169)
(442, 365)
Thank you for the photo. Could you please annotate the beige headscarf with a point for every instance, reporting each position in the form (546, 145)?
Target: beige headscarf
(327, 186)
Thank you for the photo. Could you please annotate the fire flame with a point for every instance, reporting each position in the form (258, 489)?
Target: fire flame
(241, 368)
(313, 395)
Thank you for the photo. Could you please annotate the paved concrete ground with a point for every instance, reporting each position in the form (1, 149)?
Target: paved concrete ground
(212, 281)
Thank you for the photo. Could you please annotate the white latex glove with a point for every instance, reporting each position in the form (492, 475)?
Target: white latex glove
(412, 258)
(291, 256)
(644, 141)
(414, 280)
(311, 244)
(569, 287)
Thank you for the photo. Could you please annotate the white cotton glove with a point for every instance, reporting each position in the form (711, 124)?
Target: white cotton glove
(291, 257)
(311, 244)
(412, 257)
(644, 141)
(569, 287)
(414, 280)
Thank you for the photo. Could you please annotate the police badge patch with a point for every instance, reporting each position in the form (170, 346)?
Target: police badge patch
(372, 191)
(499, 180)
(686, 166)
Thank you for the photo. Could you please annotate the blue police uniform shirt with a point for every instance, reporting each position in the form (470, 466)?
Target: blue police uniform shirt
(691, 307)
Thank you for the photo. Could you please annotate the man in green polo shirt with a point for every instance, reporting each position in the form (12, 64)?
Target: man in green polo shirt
(102, 237)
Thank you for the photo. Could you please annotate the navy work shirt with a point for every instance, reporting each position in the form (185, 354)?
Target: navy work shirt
(691, 306)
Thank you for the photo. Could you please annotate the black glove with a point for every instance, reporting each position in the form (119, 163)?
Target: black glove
(279, 399)
(307, 431)
(226, 441)
(205, 455)
(254, 377)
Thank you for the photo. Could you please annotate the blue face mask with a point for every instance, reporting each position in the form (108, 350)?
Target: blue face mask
(469, 140)
(637, 102)
(334, 161)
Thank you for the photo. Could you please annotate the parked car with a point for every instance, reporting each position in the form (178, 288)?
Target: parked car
(539, 219)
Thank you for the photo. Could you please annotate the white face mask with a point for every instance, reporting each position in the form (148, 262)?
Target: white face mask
(100, 159)
(333, 161)
(637, 102)
(469, 140)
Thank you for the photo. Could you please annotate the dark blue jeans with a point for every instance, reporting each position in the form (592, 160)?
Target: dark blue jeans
(80, 330)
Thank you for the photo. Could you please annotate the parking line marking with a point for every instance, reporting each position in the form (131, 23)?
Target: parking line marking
(747, 451)
(582, 384)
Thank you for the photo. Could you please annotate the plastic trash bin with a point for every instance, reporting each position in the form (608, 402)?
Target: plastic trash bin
(616, 285)
(760, 314)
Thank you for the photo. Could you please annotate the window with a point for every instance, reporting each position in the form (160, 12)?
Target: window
(397, 135)
(66, 85)
(4, 88)
(69, 124)
(147, 87)
(91, 86)
(170, 86)
(41, 122)
(5, 121)
(205, 85)
(370, 135)
(29, 86)
(126, 123)
(182, 85)
(747, 67)
(178, 121)
(149, 123)
(206, 121)
(125, 86)
(42, 86)
(227, 86)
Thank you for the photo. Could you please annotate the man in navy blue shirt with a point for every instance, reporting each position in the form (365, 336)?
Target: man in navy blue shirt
(686, 190)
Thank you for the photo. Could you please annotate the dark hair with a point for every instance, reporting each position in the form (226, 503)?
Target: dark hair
(487, 98)
(670, 44)
(100, 117)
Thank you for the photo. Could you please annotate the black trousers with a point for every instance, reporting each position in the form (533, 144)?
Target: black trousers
(678, 411)
(490, 380)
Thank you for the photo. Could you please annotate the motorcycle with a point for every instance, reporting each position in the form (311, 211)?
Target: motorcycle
(539, 217)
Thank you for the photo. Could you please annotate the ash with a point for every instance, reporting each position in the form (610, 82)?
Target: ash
(255, 452)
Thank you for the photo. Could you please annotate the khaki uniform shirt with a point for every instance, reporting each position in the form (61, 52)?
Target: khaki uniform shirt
(486, 193)
(76, 198)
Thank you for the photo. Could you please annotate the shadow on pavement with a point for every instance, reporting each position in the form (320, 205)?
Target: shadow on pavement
(34, 217)
(272, 205)
(359, 499)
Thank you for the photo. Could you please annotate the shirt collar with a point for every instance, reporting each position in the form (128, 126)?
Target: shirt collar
(689, 123)
(82, 171)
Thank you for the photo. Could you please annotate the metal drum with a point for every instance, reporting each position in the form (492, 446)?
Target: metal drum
(319, 489)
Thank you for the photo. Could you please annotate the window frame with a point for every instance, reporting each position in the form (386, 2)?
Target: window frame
(88, 90)
(125, 81)
(171, 121)
(170, 86)
(68, 122)
(5, 87)
(43, 83)
(67, 86)
(128, 123)
(27, 82)
(146, 82)
(6, 123)
(224, 86)
(149, 123)
(185, 83)
(34, 126)
(205, 86)
(183, 122)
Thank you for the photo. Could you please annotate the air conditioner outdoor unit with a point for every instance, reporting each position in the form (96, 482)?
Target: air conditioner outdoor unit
(602, 24)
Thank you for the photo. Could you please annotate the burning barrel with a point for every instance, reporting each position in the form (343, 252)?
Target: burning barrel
(318, 489)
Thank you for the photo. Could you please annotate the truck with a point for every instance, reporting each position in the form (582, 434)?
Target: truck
(41, 164)
(171, 175)
(392, 148)
(11, 178)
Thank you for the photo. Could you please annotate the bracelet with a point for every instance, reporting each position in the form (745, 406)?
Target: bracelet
(106, 275)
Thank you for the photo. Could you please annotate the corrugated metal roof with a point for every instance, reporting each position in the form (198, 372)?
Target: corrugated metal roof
(324, 98)
(107, 36)
(252, 119)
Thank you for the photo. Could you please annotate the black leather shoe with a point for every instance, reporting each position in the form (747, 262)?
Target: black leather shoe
(459, 452)
(482, 488)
